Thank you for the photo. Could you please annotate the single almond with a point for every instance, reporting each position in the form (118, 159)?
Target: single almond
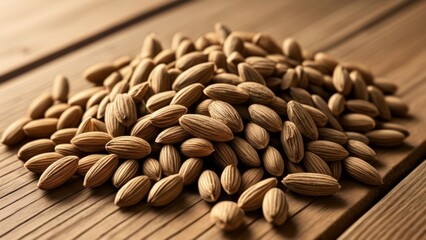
(332, 135)
(357, 122)
(40, 128)
(245, 152)
(209, 186)
(70, 118)
(91, 142)
(90, 125)
(138, 92)
(359, 87)
(336, 169)
(320, 119)
(190, 59)
(273, 161)
(227, 215)
(251, 199)
(341, 80)
(102, 107)
(165, 191)
(224, 112)
(258, 93)
(85, 163)
(363, 107)
(323, 107)
(14, 133)
(60, 88)
(126, 171)
(300, 95)
(39, 105)
(200, 73)
(98, 72)
(362, 171)
(81, 98)
(144, 129)
(34, 148)
(360, 150)
(67, 149)
(56, 110)
(170, 160)
(263, 65)
(275, 207)
(188, 95)
(159, 100)
(58, 173)
(125, 109)
(227, 93)
(311, 184)
(101, 171)
(265, 117)
(119, 88)
(152, 168)
(279, 105)
(191, 170)
(167, 116)
(172, 135)
(256, 136)
(113, 126)
(302, 119)
(291, 48)
(230, 179)
(42, 161)
(393, 126)
(292, 142)
(63, 135)
(327, 150)
(336, 103)
(205, 127)
(249, 74)
(313, 163)
(112, 80)
(250, 177)
(227, 78)
(293, 167)
(159, 80)
(378, 99)
(224, 155)
(166, 56)
(396, 106)
(196, 147)
(358, 136)
(385, 137)
(133, 191)
(91, 112)
(128, 147)
(96, 98)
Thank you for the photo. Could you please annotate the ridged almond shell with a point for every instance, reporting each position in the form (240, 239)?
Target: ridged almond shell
(165, 191)
(328, 151)
(362, 171)
(91, 142)
(275, 207)
(209, 186)
(265, 117)
(191, 170)
(273, 161)
(167, 116)
(206, 127)
(63, 135)
(227, 215)
(225, 113)
(58, 173)
(101, 171)
(40, 162)
(128, 147)
(172, 135)
(256, 136)
(197, 147)
(230, 179)
(292, 142)
(314, 164)
(133, 191)
(245, 152)
(40, 128)
(227, 93)
(311, 184)
(251, 199)
(126, 171)
(151, 168)
(14, 133)
(170, 160)
(34, 148)
(302, 119)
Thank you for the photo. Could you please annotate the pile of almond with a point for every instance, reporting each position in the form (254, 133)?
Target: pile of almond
(234, 112)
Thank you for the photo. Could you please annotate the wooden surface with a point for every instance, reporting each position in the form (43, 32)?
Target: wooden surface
(386, 35)
(399, 215)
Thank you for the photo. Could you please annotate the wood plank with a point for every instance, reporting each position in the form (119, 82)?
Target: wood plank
(401, 214)
(38, 31)
(110, 222)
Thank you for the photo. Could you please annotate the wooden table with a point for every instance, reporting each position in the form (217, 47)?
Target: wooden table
(43, 38)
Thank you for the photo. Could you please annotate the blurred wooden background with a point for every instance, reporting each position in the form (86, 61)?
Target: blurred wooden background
(41, 38)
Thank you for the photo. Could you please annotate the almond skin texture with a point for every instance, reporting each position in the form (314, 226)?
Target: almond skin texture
(205, 127)
(385, 137)
(196, 147)
(41, 128)
(251, 199)
(292, 142)
(152, 168)
(101, 171)
(256, 136)
(133, 191)
(209, 186)
(311, 184)
(329, 151)
(265, 117)
(273, 161)
(230, 179)
(227, 114)
(170, 160)
(91, 142)
(58, 173)
(128, 147)
(250, 177)
(40, 162)
(85, 163)
(191, 170)
(301, 118)
(126, 171)
(14, 133)
(165, 191)
(275, 207)
(167, 116)
(362, 171)
(227, 93)
(224, 155)
(245, 152)
(227, 215)
(34, 148)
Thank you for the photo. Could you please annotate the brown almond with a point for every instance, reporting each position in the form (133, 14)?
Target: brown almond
(227, 93)
(200, 73)
(336, 169)
(256, 136)
(101, 171)
(159, 80)
(362, 171)
(279, 105)
(328, 151)
(96, 98)
(144, 129)
(275, 207)
(165, 191)
(128, 147)
(251, 199)
(14, 133)
(81, 98)
(205, 127)
(85, 163)
(322, 105)
(320, 119)
(102, 107)
(133, 191)
(302, 119)
(67, 149)
(265, 117)
(111, 81)
(245, 152)
(170, 160)
(91, 142)
(396, 106)
(359, 87)
(119, 88)
(311, 184)
(228, 78)
(385, 137)
(58, 173)
(209, 186)
(341, 80)
(63, 135)
(125, 109)
(291, 48)
(250, 177)
(172, 135)
(60, 88)
(70, 118)
(34, 148)
(151, 46)
(233, 44)
(191, 170)
(301, 95)
(224, 155)
(363, 107)
(263, 65)
(358, 136)
(188, 95)
(196, 147)
(258, 93)
(332, 135)
(357, 122)
(98, 72)
(40, 128)
(273, 161)
(167, 116)
(292, 142)
(393, 126)
(125, 172)
(227, 215)
(151, 167)
(224, 112)
(336, 103)
(313, 163)
(249, 74)
(39, 105)
(56, 110)
(139, 91)
(230, 179)
(360, 150)
(159, 100)
(42, 161)
(90, 125)
(378, 99)
(293, 167)
(113, 126)
(190, 59)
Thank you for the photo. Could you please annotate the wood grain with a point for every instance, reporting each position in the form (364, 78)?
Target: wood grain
(26, 212)
(401, 214)
(34, 32)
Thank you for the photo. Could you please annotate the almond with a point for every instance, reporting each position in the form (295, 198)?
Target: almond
(313, 163)
(227, 93)
(362, 171)
(91, 142)
(167, 116)
(170, 160)
(14, 133)
(357, 122)
(165, 191)
(209, 186)
(273, 162)
(258, 93)
(85, 163)
(224, 155)
(275, 207)
(265, 117)
(292, 142)
(101, 171)
(332, 135)
(63, 135)
(251, 199)
(328, 151)
(40, 128)
(188, 95)
(196, 147)
(302, 119)
(128, 147)
(40, 162)
(227, 215)
(126, 171)
(152, 168)
(230, 179)
(133, 191)
(385, 137)
(191, 170)
(39, 105)
(256, 136)
(311, 184)
(245, 152)
(227, 114)
(201, 73)
(34, 148)
(58, 173)
(360, 150)
(205, 127)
